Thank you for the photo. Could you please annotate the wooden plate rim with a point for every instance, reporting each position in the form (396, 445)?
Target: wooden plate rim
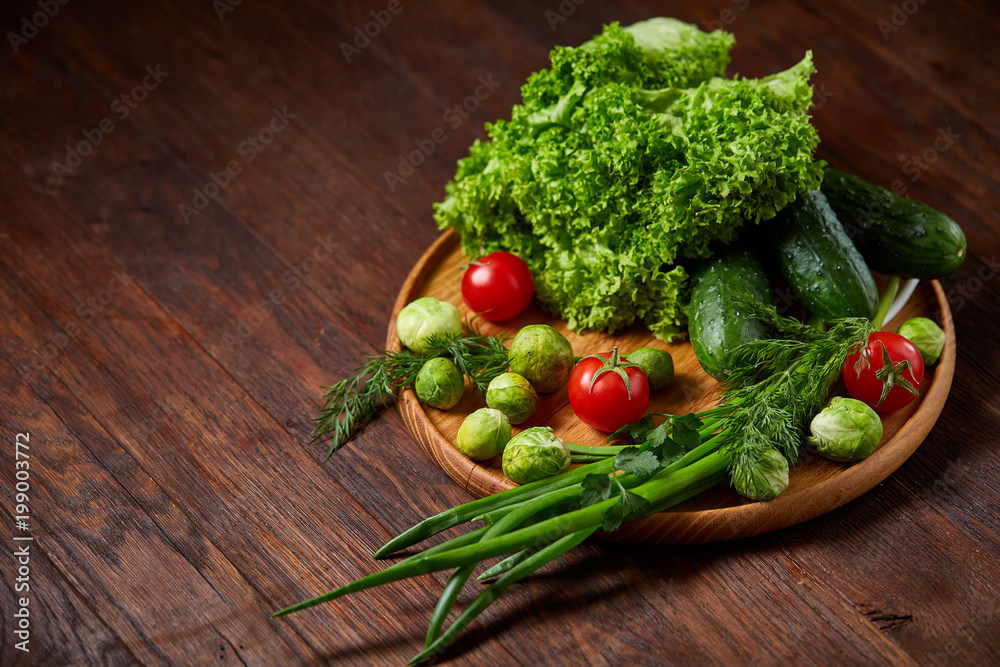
(700, 526)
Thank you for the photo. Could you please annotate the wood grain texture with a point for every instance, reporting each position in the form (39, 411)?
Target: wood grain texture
(176, 499)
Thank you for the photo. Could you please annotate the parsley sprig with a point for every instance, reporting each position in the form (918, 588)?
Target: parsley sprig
(659, 447)
(776, 385)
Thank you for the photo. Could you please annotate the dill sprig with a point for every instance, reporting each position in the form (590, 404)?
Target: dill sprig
(352, 403)
(778, 383)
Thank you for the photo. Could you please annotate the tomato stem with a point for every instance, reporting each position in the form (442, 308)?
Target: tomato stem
(615, 364)
(891, 375)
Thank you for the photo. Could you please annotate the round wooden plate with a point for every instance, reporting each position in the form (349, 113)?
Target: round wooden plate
(817, 484)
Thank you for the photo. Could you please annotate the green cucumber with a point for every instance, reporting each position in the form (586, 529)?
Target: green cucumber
(717, 327)
(813, 253)
(897, 236)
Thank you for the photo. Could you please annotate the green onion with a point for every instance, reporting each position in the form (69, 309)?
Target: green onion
(777, 384)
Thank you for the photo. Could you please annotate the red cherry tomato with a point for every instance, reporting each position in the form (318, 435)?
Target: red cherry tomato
(608, 403)
(498, 287)
(884, 386)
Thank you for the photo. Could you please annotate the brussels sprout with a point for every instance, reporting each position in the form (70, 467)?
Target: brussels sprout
(439, 383)
(846, 430)
(483, 434)
(926, 336)
(512, 395)
(535, 453)
(768, 479)
(425, 317)
(657, 364)
(543, 356)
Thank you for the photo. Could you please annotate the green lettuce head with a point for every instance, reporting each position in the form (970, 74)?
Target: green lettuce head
(535, 453)
(627, 159)
(846, 430)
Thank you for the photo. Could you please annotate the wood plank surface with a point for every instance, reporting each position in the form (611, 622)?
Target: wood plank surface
(166, 365)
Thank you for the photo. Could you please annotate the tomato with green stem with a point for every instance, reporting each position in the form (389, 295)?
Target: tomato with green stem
(498, 286)
(607, 392)
(886, 373)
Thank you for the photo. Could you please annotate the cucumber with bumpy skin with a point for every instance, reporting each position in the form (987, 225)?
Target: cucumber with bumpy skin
(715, 326)
(897, 236)
(819, 261)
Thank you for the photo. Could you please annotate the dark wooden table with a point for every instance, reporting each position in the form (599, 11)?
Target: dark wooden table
(198, 230)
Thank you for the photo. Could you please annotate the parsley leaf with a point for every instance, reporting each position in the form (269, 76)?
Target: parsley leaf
(596, 487)
(636, 430)
(641, 463)
(685, 431)
(629, 506)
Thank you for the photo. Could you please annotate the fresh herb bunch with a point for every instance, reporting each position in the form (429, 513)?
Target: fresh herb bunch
(351, 404)
(777, 384)
(657, 447)
(533, 524)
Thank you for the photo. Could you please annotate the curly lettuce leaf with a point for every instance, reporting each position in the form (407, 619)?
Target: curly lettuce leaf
(679, 53)
(628, 157)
